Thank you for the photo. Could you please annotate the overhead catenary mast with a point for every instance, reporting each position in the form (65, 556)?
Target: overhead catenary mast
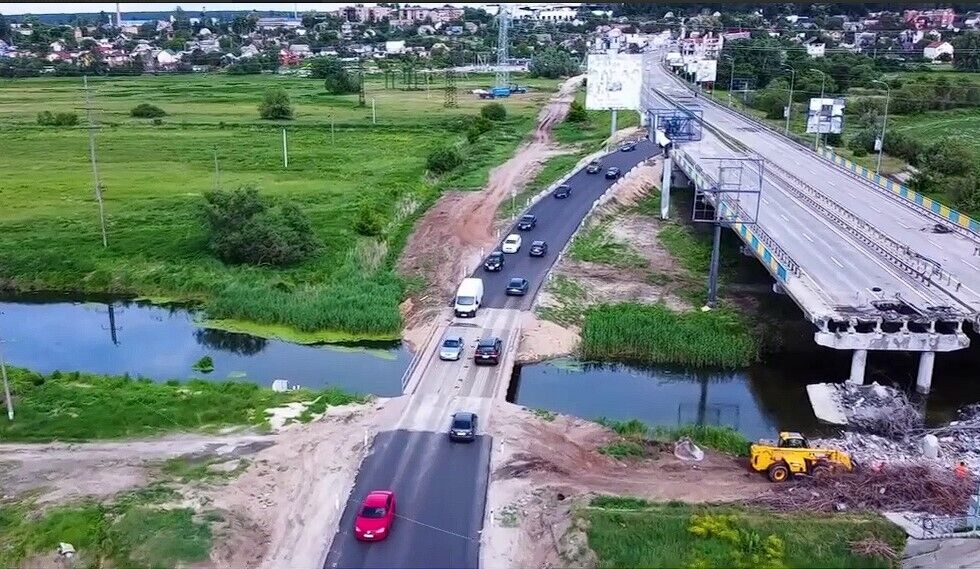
(503, 52)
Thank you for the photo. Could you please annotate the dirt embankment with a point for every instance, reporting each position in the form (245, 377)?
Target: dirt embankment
(542, 466)
(447, 240)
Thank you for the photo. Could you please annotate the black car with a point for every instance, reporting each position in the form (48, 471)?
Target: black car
(494, 262)
(517, 287)
(538, 249)
(463, 427)
(488, 351)
(594, 167)
(612, 173)
(562, 191)
(527, 222)
(628, 146)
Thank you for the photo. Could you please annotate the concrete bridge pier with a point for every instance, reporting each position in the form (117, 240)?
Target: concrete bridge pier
(923, 380)
(858, 362)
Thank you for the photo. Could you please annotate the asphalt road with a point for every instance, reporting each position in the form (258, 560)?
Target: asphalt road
(557, 221)
(438, 522)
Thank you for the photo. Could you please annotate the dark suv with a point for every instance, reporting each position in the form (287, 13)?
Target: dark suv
(494, 262)
(538, 249)
(463, 427)
(527, 222)
(562, 191)
(488, 351)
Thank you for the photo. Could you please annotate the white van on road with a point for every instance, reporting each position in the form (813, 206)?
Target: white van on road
(469, 296)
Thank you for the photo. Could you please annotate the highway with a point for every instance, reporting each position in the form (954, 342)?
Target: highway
(840, 272)
(557, 221)
(440, 486)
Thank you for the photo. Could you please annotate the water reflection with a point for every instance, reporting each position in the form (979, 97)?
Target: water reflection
(115, 337)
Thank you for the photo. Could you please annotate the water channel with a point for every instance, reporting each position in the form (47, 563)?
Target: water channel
(115, 336)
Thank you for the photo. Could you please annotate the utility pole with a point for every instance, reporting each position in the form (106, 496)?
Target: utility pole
(884, 124)
(217, 173)
(333, 139)
(285, 153)
(374, 112)
(789, 106)
(731, 82)
(360, 75)
(96, 184)
(503, 41)
(6, 387)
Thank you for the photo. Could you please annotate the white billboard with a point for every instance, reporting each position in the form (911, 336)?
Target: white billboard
(706, 71)
(614, 81)
(826, 116)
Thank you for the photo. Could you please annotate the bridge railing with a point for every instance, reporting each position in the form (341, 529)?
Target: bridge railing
(775, 258)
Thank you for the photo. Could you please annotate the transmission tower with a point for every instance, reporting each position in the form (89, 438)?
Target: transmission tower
(503, 40)
(450, 89)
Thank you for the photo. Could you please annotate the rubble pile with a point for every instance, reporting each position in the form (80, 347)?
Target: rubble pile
(910, 487)
(877, 409)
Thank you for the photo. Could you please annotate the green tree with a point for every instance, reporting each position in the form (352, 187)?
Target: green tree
(275, 105)
(949, 156)
(246, 228)
(443, 159)
(577, 113)
(5, 31)
(336, 79)
(553, 63)
(773, 98)
(494, 112)
(966, 51)
(147, 111)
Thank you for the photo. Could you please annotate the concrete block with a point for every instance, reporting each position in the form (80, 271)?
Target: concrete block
(825, 404)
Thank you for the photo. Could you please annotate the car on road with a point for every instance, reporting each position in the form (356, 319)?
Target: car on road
(375, 516)
(538, 248)
(451, 349)
(527, 222)
(488, 351)
(463, 427)
(612, 173)
(512, 244)
(517, 286)
(494, 262)
(628, 146)
(562, 191)
(594, 167)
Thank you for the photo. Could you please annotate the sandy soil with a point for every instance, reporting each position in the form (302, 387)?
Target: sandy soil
(541, 469)
(542, 339)
(447, 240)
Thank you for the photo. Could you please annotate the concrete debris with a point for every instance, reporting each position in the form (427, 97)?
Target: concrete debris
(684, 449)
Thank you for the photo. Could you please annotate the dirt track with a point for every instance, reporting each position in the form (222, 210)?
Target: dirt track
(447, 240)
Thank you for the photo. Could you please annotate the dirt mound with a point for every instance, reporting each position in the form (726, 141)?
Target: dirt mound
(523, 465)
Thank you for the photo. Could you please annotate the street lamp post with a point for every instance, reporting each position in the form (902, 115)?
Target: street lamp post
(823, 85)
(884, 123)
(731, 83)
(789, 106)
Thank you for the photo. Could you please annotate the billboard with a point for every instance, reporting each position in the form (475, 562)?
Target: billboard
(826, 116)
(614, 81)
(707, 71)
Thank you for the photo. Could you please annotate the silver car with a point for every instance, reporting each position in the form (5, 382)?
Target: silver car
(451, 349)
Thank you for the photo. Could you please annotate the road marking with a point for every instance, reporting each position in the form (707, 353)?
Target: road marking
(765, 201)
(934, 243)
(786, 219)
(874, 208)
(969, 264)
(836, 262)
(831, 183)
(807, 237)
(903, 225)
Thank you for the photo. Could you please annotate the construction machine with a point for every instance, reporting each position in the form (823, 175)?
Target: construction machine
(792, 455)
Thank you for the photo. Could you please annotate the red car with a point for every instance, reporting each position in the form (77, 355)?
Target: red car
(374, 519)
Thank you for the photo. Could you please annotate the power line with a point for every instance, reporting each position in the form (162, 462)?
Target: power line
(96, 184)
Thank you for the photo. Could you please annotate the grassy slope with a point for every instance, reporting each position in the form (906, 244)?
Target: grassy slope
(597, 129)
(154, 176)
(639, 534)
(76, 407)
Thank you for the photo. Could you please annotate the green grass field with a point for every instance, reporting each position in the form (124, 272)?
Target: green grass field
(79, 406)
(154, 176)
(628, 532)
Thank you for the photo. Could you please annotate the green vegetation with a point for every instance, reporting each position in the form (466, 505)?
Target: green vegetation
(553, 63)
(545, 415)
(596, 245)
(134, 532)
(187, 469)
(147, 111)
(77, 406)
(154, 177)
(595, 129)
(571, 298)
(722, 439)
(204, 365)
(275, 105)
(47, 118)
(655, 334)
(623, 449)
(628, 532)
(494, 112)
(444, 159)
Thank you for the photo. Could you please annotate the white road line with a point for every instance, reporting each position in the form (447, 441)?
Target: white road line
(836, 262)
(969, 264)
(831, 183)
(786, 219)
(807, 237)
(874, 208)
(765, 201)
(903, 225)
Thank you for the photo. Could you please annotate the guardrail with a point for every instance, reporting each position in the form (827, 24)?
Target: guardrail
(775, 258)
(886, 186)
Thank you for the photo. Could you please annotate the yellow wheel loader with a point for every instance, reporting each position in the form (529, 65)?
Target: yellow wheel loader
(792, 455)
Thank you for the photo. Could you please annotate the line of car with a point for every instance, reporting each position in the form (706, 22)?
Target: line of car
(376, 514)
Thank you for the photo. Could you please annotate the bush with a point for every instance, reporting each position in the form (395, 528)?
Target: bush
(157, 122)
(369, 223)
(47, 118)
(553, 63)
(275, 105)
(577, 113)
(245, 228)
(479, 126)
(336, 79)
(443, 159)
(147, 111)
(494, 112)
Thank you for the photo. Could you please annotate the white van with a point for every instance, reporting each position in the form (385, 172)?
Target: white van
(468, 297)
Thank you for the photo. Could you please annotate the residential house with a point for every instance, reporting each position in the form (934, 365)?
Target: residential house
(276, 23)
(57, 46)
(361, 13)
(249, 51)
(929, 19)
(815, 48)
(936, 49)
(206, 45)
(301, 50)
(116, 58)
(395, 47)
(702, 47)
(426, 30)
(971, 20)
(556, 14)
(908, 38)
(732, 36)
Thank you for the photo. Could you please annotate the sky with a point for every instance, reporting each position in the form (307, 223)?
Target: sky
(12, 8)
